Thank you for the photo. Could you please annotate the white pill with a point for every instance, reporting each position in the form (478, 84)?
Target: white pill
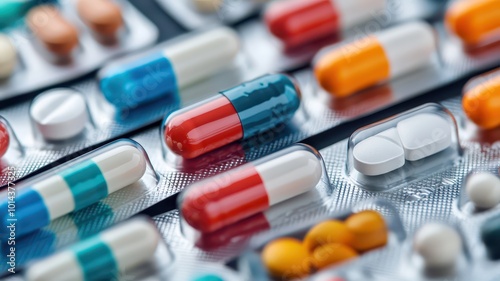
(208, 6)
(59, 114)
(424, 135)
(483, 190)
(439, 245)
(8, 57)
(379, 154)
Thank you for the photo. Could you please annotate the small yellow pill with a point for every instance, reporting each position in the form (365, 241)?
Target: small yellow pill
(369, 230)
(330, 254)
(332, 231)
(286, 258)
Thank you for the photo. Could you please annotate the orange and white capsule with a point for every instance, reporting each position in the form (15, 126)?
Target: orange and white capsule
(376, 58)
(475, 21)
(481, 100)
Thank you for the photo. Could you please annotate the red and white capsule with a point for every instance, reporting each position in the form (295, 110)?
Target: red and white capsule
(229, 197)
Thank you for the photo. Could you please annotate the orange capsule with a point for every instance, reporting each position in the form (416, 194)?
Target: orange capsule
(475, 21)
(481, 102)
(331, 254)
(369, 61)
(286, 258)
(104, 17)
(57, 34)
(369, 230)
(327, 232)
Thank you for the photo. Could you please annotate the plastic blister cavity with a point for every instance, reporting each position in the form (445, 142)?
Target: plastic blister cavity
(261, 106)
(480, 192)
(115, 175)
(252, 265)
(231, 197)
(403, 148)
(130, 250)
(86, 56)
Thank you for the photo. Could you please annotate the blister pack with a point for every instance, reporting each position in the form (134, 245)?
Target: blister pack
(66, 40)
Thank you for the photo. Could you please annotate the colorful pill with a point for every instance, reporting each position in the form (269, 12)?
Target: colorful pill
(229, 197)
(328, 232)
(481, 103)
(369, 230)
(330, 254)
(297, 22)
(208, 6)
(490, 235)
(8, 57)
(439, 245)
(104, 17)
(475, 22)
(286, 258)
(57, 34)
(4, 139)
(238, 113)
(74, 188)
(59, 114)
(136, 81)
(100, 257)
(369, 61)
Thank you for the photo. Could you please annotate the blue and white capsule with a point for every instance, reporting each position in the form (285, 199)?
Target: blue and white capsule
(101, 257)
(162, 74)
(73, 188)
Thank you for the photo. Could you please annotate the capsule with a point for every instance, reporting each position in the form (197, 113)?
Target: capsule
(376, 58)
(74, 188)
(100, 257)
(8, 57)
(229, 197)
(297, 22)
(4, 139)
(56, 33)
(238, 113)
(140, 80)
(481, 101)
(475, 22)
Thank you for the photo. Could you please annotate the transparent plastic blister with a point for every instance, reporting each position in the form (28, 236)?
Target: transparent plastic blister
(138, 32)
(194, 14)
(404, 148)
(251, 264)
(92, 193)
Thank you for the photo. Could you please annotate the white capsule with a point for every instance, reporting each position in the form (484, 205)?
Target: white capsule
(8, 57)
(439, 245)
(424, 135)
(483, 190)
(118, 249)
(379, 154)
(59, 114)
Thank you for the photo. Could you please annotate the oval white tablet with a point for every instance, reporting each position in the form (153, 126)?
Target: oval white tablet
(59, 114)
(439, 245)
(424, 135)
(379, 154)
(8, 57)
(483, 190)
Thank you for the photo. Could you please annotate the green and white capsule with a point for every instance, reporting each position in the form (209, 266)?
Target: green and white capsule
(79, 185)
(101, 257)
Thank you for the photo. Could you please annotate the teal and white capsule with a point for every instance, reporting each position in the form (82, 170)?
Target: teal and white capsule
(101, 257)
(73, 188)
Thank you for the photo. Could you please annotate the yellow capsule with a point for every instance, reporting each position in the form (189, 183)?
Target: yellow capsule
(369, 230)
(330, 254)
(332, 231)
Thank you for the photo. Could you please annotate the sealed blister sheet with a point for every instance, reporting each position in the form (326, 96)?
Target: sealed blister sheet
(32, 60)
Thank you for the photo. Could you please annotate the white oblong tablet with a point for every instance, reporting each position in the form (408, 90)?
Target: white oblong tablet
(424, 135)
(379, 154)
(483, 190)
(8, 57)
(59, 114)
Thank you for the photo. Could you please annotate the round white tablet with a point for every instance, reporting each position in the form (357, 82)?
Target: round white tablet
(483, 190)
(439, 245)
(379, 154)
(59, 114)
(424, 135)
(8, 57)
